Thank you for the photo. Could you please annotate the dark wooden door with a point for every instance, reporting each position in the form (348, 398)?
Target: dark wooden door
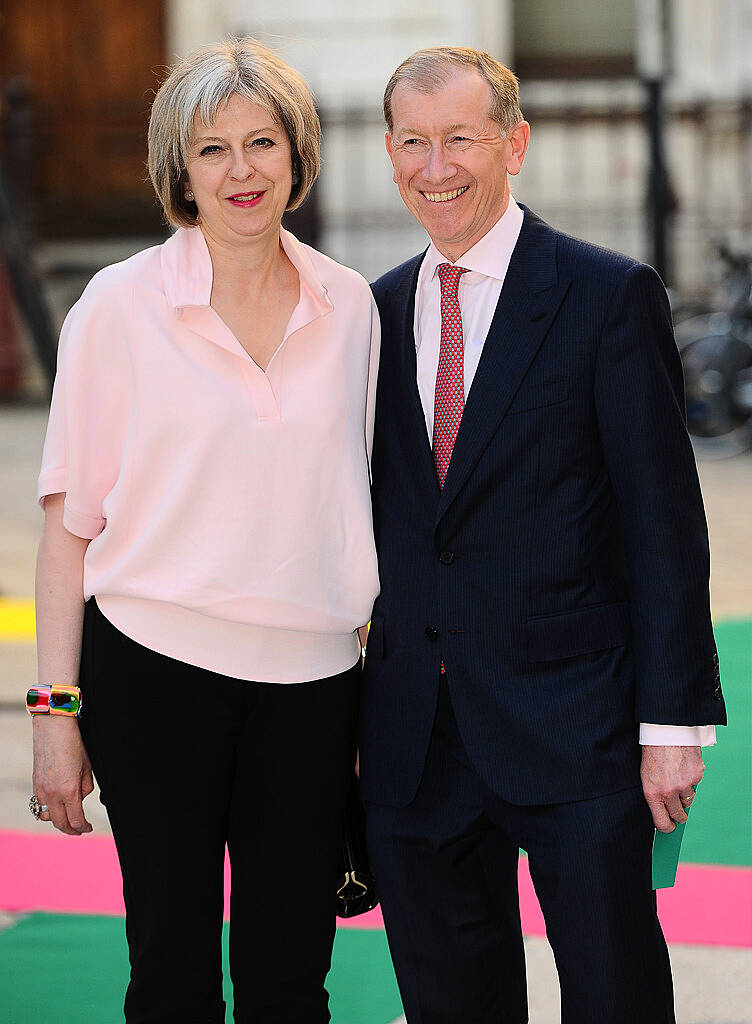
(78, 78)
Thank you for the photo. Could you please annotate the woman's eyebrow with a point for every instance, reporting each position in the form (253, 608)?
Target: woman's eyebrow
(254, 131)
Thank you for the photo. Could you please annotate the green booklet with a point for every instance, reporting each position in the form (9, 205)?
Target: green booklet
(666, 849)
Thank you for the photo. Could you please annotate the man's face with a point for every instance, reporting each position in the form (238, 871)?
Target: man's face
(451, 159)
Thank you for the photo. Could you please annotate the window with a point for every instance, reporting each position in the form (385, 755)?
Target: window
(576, 39)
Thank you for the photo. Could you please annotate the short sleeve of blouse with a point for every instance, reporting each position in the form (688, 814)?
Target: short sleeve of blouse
(83, 446)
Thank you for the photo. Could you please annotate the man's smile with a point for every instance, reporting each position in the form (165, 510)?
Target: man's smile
(445, 197)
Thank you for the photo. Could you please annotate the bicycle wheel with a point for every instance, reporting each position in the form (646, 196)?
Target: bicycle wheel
(716, 354)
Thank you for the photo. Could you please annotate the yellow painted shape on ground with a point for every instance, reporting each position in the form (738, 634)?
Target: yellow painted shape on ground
(17, 624)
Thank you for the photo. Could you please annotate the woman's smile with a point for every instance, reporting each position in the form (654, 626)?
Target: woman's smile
(246, 198)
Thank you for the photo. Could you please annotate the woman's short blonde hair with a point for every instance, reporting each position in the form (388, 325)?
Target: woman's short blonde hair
(203, 82)
(428, 71)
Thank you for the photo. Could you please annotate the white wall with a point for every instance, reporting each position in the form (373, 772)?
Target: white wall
(712, 48)
(346, 50)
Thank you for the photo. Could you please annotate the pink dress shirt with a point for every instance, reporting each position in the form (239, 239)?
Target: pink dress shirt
(228, 507)
(479, 290)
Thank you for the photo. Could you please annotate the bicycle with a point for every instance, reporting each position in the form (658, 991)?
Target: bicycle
(716, 354)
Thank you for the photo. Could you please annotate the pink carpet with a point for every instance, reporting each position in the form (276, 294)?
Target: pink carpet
(46, 871)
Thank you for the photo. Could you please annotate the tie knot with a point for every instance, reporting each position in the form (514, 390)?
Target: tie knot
(449, 276)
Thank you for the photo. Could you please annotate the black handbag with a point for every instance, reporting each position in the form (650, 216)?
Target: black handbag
(356, 888)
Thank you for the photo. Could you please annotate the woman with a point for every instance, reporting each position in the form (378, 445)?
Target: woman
(207, 554)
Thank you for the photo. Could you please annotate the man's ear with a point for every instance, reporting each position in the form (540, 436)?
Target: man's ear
(390, 151)
(518, 138)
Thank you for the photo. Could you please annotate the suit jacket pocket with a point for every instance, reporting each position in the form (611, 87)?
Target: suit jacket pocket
(549, 392)
(581, 631)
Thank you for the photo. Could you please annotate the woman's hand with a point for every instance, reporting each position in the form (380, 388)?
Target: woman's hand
(363, 635)
(62, 773)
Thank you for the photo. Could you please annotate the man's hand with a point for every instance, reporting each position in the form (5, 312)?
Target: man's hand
(62, 773)
(668, 775)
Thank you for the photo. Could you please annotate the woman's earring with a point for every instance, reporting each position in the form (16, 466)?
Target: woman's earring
(295, 176)
(189, 196)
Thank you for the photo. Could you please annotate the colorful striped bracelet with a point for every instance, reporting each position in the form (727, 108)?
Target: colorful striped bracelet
(54, 699)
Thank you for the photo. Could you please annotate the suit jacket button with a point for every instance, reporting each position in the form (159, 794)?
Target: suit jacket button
(446, 557)
(432, 633)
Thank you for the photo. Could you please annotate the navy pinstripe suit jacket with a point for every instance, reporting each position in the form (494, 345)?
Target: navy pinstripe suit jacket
(562, 573)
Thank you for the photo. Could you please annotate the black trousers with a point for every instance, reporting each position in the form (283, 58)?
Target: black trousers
(446, 867)
(187, 761)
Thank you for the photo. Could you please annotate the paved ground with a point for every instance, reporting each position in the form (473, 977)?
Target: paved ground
(713, 985)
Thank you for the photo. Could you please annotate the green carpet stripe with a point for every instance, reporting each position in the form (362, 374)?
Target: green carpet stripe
(88, 986)
(88, 958)
(721, 824)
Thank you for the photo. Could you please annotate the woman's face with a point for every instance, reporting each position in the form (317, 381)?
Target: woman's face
(240, 172)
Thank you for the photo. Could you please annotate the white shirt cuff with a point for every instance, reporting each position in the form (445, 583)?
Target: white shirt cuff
(677, 735)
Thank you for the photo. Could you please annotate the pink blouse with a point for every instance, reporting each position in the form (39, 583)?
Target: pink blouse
(228, 507)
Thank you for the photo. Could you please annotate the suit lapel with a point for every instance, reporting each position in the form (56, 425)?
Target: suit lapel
(413, 436)
(530, 297)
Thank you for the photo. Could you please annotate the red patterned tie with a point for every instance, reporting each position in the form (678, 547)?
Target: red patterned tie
(449, 399)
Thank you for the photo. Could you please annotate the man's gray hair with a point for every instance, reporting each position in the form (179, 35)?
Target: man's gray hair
(428, 71)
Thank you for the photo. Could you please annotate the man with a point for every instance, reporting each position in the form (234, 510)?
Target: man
(544, 571)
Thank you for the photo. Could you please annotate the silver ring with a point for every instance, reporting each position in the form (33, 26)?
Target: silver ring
(36, 808)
